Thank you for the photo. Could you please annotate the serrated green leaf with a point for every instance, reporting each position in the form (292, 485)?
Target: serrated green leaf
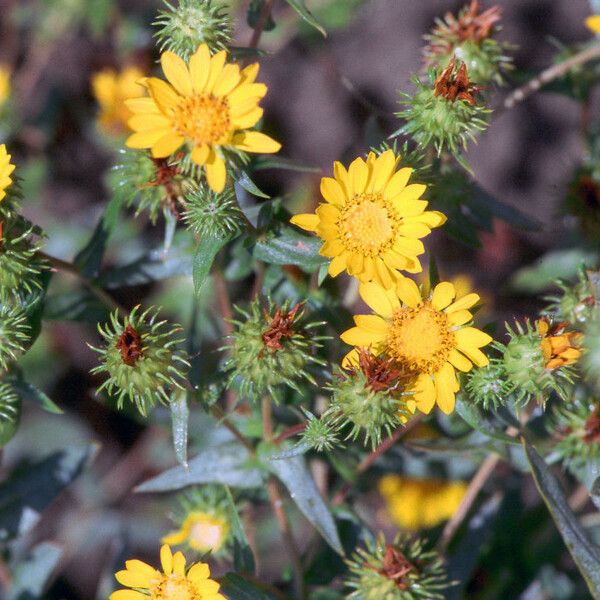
(31, 577)
(290, 248)
(296, 477)
(300, 7)
(584, 552)
(205, 255)
(227, 464)
(27, 492)
(180, 415)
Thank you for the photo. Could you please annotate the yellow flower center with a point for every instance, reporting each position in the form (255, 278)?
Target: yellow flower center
(367, 225)
(202, 118)
(420, 338)
(206, 534)
(174, 587)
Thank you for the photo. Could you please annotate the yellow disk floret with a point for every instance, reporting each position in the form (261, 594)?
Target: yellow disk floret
(111, 90)
(6, 169)
(208, 104)
(372, 220)
(427, 336)
(176, 582)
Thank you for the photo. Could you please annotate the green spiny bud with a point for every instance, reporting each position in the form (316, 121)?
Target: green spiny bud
(10, 412)
(403, 570)
(443, 111)
(203, 522)
(488, 386)
(577, 302)
(184, 27)
(591, 351)
(20, 262)
(370, 398)
(14, 334)
(142, 358)
(271, 348)
(525, 366)
(578, 429)
(469, 37)
(149, 184)
(211, 214)
(321, 434)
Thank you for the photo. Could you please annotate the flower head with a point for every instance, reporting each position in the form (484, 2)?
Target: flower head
(372, 219)
(429, 337)
(420, 503)
(6, 169)
(111, 89)
(175, 582)
(4, 84)
(593, 23)
(208, 104)
(204, 523)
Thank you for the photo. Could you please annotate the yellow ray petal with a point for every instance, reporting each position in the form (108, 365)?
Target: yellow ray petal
(332, 191)
(200, 68)
(358, 174)
(179, 563)
(397, 183)
(328, 213)
(176, 72)
(141, 567)
(229, 78)
(338, 264)
(163, 94)
(463, 303)
(476, 356)
(445, 384)
(332, 248)
(372, 323)
(142, 105)
(145, 139)
(200, 154)
(216, 173)
(431, 218)
(382, 171)
(166, 559)
(459, 317)
(361, 337)
(217, 62)
(459, 361)
(167, 145)
(149, 122)
(469, 336)
(254, 141)
(309, 222)
(127, 595)
(198, 573)
(383, 303)
(408, 292)
(133, 579)
(593, 23)
(250, 119)
(443, 294)
(424, 393)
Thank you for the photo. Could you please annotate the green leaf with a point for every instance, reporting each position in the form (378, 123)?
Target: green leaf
(204, 257)
(89, 259)
(286, 164)
(290, 248)
(227, 464)
(180, 414)
(31, 577)
(585, 554)
(29, 392)
(300, 7)
(478, 420)
(296, 477)
(236, 587)
(28, 491)
(243, 559)
(78, 305)
(244, 181)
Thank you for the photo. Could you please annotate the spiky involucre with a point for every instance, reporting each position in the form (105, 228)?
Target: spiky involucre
(184, 25)
(577, 304)
(14, 334)
(488, 386)
(427, 581)
(20, 262)
(434, 120)
(591, 351)
(255, 369)
(159, 368)
(210, 214)
(10, 411)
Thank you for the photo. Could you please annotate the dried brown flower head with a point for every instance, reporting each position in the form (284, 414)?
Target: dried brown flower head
(280, 327)
(592, 427)
(130, 346)
(454, 84)
(383, 374)
(396, 567)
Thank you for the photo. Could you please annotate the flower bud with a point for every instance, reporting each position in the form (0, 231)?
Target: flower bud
(141, 358)
(14, 334)
(577, 303)
(10, 411)
(488, 386)
(403, 570)
(184, 27)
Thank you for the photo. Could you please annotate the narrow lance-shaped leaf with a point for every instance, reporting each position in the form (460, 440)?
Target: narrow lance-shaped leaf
(180, 415)
(300, 7)
(584, 552)
(207, 250)
(243, 559)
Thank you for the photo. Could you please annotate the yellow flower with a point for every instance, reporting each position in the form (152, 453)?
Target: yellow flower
(427, 336)
(202, 531)
(111, 90)
(174, 583)
(420, 503)
(560, 348)
(593, 23)
(4, 84)
(6, 168)
(208, 104)
(372, 220)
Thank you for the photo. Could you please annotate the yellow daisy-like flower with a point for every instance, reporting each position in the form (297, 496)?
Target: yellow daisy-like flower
(593, 23)
(4, 84)
(209, 104)
(201, 531)
(6, 169)
(372, 220)
(111, 90)
(429, 337)
(420, 503)
(176, 582)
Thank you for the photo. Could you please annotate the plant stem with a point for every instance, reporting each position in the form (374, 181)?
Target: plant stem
(550, 74)
(263, 18)
(277, 506)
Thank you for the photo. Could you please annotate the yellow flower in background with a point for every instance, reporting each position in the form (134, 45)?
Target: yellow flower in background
(111, 90)
(209, 104)
(201, 531)
(420, 503)
(427, 336)
(176, 582)
(560, 348)
(372, 220)
(6, 169)
(5, 87)
(593, 23)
